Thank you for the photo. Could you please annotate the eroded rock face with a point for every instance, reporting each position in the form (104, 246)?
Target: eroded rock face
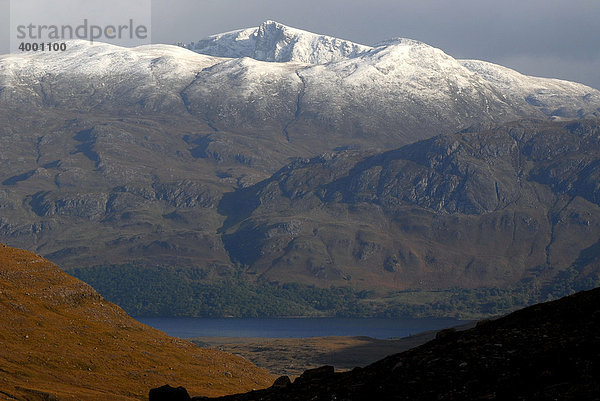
(425, 214)
(469, 209)
(544, 352)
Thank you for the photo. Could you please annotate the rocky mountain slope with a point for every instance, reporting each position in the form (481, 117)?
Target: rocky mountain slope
(476, 209)
(544, 352)
(114, 156)
(60, 340)
(464, 210)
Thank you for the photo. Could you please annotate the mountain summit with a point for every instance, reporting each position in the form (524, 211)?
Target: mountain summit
(326, 91)
(272, 41)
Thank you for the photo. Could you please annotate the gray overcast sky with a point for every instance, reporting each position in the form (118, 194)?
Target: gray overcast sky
(538, 37)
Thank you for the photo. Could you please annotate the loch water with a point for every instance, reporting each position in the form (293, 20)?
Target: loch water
(296, 327)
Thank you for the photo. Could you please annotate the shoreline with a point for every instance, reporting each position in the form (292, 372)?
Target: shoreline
(292, 356)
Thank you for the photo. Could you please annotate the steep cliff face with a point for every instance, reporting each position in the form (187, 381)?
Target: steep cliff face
(60, 340)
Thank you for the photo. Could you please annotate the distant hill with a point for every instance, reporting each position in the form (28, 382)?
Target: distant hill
(142, 143)
(544, 352)
(60, 340)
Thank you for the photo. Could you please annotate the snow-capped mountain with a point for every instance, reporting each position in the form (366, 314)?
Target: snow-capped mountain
(100, 76)
(162, 155)
(554, 97)
(272, 41)
(334, 92)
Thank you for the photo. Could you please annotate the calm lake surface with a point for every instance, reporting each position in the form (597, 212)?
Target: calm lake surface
(295, 327)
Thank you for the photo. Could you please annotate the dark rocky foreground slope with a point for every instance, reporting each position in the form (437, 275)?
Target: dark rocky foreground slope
(545, 352)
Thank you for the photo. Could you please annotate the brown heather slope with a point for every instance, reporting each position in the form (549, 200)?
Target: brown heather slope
(59, 339)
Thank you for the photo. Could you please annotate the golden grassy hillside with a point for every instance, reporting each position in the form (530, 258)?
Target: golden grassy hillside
(59, 339)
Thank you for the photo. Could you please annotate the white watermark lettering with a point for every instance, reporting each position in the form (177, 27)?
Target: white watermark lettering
(40, 25)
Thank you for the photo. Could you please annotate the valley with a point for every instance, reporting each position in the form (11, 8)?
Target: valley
(292, 356)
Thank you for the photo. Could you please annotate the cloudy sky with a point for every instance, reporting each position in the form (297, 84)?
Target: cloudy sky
(552, 38)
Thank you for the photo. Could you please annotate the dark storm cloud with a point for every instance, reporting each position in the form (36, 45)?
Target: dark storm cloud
(556, 38)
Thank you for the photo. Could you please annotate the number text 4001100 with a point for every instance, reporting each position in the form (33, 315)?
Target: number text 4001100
(42, 47)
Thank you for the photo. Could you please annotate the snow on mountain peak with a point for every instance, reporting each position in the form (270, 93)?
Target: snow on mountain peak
(281, 77)
(273, 41)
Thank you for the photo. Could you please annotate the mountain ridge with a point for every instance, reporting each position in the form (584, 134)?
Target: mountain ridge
(413, 210)
(118, 157)
(392, 94)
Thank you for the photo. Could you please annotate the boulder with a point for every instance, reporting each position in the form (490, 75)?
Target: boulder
(168, 393)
